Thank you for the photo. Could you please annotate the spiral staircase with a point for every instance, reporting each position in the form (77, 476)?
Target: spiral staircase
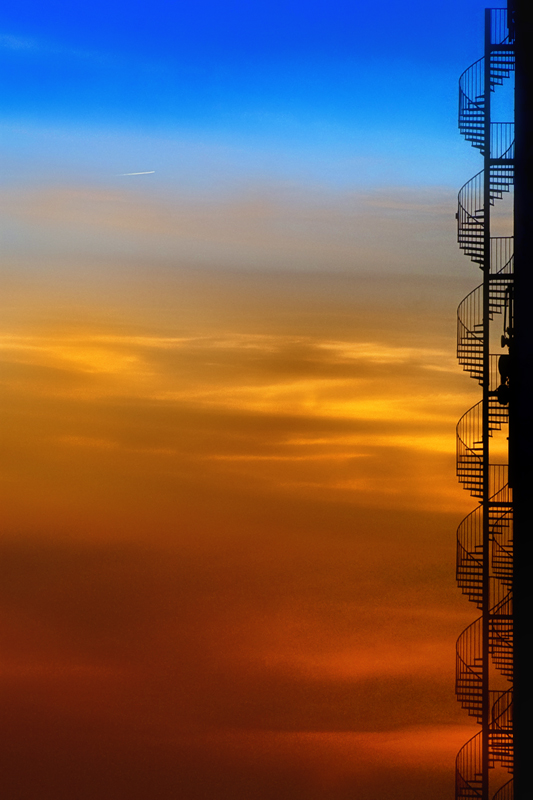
(484, 662)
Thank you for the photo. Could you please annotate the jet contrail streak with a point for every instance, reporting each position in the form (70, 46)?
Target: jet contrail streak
(149, 172)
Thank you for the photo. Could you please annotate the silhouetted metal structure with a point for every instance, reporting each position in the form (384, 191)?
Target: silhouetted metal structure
(485, 348)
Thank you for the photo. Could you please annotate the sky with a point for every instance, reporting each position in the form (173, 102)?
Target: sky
(229, 396)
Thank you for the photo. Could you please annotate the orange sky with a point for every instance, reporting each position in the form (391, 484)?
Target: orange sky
(228, 494)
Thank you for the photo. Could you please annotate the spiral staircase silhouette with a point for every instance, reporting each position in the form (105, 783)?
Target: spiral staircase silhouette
(478, 579)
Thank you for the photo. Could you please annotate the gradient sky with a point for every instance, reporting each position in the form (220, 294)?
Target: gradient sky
(229, 397)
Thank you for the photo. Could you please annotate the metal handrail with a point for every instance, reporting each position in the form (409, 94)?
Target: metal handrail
(505, 792)
(468, 767)
(474, 562)
(499, 29)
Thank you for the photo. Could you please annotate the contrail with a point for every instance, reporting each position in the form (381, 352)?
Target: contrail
(148, 172)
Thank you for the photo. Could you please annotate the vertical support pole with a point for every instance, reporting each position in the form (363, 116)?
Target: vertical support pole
(485, 417)
(521, 415)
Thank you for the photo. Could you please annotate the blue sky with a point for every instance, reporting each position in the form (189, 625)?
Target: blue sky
(304, 108)
(343, 94)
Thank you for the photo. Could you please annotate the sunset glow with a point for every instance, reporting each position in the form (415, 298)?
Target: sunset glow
(229, 395)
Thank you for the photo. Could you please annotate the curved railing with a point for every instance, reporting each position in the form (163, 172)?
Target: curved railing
(501, 634)
(468, 769)
(501, 729)
(502, 549)
(469, 666)
(469, 571)
(469, 452)
(502, 140)
(472, 99)
(470, 333)
(472, 103)
(505, 792)
(475, 563)
(470, 310)
(471, 219)
(469, 669)
(501, 256)
(470, 206)
(469, 455)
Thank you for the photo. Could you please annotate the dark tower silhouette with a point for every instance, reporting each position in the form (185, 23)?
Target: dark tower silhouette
(486, 346)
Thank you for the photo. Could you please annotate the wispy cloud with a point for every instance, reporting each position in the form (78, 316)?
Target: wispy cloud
(257, 228)
(46, 49)
(9, 42)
